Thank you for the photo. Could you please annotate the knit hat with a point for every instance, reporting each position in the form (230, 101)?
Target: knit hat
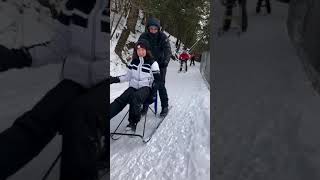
(142, 44)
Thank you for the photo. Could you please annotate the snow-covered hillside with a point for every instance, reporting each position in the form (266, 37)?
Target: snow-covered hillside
(180, 148)
(24, 29)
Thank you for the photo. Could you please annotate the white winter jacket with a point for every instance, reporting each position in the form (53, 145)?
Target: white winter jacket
(141, 73)
(81, 42)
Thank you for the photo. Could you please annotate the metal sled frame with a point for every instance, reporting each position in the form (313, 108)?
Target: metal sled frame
(51, 167)
(144, 125)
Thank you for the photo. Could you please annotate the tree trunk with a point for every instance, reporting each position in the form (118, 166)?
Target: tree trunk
(179, 44)
(123, 13)
(131, 24)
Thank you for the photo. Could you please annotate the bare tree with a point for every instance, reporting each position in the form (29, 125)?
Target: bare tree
(131, 24)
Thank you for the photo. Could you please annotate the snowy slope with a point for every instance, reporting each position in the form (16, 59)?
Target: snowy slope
(267, 117)
(180, 148)
(25, 29)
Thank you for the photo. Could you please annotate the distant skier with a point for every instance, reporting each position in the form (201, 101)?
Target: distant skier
(184, 57)
(76, 106)
(144, 78)
(193, 57)
(229, 5)
(161, 50)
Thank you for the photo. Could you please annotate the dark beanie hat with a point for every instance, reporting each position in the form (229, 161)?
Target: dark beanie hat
(142, 44)
(153, 22)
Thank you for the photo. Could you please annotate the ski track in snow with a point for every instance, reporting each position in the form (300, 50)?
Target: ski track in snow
(180, 147)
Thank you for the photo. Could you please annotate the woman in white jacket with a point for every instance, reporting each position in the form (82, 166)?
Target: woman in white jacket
(143, 76)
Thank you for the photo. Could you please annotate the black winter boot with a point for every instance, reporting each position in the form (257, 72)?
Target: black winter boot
(144, 110)
(164, 111)
(131, 127)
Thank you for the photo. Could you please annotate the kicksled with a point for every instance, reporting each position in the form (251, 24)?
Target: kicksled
(117, 133)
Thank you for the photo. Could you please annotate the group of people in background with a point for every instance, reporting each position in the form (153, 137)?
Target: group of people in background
(184, 57)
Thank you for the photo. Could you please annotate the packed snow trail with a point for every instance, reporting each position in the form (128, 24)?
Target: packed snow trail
(180, 148)
(267, 117)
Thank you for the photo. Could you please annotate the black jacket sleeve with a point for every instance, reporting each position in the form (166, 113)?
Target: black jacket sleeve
(114, 80)
(166, 50)
(155, 84)
(14, 58)
(143, 36)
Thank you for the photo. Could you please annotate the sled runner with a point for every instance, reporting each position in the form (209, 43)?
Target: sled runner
(101, 173)
(117, 134)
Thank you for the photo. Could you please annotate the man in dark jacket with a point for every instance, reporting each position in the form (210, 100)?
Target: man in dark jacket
(77, 106)
(161, 50)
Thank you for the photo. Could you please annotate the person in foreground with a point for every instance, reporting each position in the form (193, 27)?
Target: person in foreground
(144, 78)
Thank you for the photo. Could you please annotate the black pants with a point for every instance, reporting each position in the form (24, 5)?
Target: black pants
(68, 108)
(228, 14)
(162, 88)
(192, 62)
(134, 97)
(181, 64)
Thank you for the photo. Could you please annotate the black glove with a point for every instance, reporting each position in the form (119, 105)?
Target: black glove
(14, 58)
(153, 93)
(114, 80)
(163, 64)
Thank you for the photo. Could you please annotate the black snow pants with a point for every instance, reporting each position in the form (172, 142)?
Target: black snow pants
(135, 98)
(181, 65)
(228, 14)
(192, 62)
(162, 89)
(77, 113)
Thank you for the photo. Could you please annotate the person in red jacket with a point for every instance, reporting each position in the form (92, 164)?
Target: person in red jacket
(184, 57)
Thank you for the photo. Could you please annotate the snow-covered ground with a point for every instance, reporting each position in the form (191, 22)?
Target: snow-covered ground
(25, 29)
(180, 148)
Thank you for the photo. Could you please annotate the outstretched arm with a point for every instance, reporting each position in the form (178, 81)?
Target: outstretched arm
(13, 58)
(56, 50)
(123, 78)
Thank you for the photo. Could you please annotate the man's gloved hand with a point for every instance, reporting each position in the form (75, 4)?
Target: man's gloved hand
(114, 80)
(14, 58)
(163, 63)
(153, 94)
